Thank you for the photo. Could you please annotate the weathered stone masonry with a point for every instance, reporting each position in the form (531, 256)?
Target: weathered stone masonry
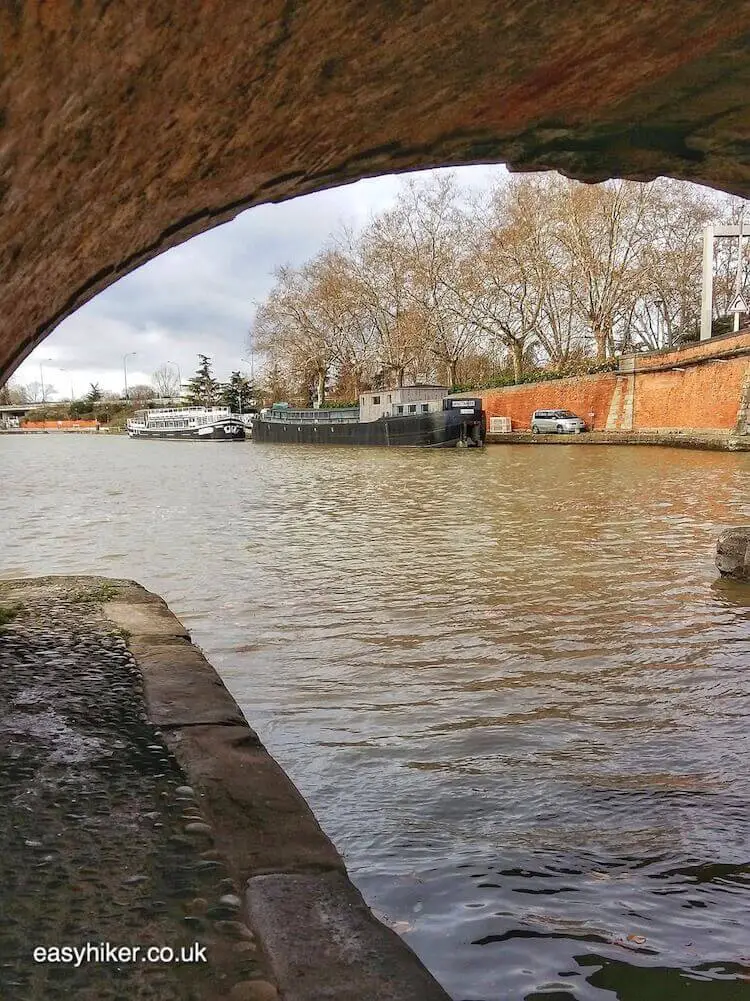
(127, 127)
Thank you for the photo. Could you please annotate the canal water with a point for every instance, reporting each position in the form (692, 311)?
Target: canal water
(508, 683)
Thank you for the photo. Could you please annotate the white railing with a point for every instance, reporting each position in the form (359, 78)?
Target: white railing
(180, 417)
(191, 411)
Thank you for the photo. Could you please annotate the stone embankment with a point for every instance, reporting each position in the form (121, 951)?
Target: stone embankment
(721, 441)
(699, 391)
(140, 810)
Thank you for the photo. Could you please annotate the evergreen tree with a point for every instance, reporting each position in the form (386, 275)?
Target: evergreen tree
(94, 395)
(203, 390)
(237, 394)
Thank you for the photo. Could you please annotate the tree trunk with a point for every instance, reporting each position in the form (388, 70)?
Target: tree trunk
(321, 388)
(452, 372)
(601, 335)
(517, 361)
(399, 370)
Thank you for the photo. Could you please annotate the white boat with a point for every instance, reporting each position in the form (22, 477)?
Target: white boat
(187, 424)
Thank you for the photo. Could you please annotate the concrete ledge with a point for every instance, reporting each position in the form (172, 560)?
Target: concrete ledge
(324, 944)
(313, 928)
(716, 441)
(171, 701)
(321, 939)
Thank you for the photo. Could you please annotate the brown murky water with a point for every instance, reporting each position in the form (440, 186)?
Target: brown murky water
(508, 683)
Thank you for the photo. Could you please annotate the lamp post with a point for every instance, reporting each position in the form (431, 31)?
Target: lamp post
(125, 370)
(41, 377)
(658, 303)
(179, 378)
(738, 280)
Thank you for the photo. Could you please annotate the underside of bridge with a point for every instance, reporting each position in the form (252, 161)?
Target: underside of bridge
(127, 127)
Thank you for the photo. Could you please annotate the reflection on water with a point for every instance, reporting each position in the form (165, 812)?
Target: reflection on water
(508, 683)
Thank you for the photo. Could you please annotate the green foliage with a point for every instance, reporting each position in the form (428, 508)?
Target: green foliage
(94, 394)
(8, 613)
(203, 390)
(101, 593)
(539, 375)
(237, 393)
(80, 408)
(722, 325)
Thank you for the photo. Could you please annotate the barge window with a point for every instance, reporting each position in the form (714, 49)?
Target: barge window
(425, 408)
(412, 408)
(399, 410)
(375, 400)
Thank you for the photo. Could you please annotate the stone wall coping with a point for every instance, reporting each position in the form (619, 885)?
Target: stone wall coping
(719, 347)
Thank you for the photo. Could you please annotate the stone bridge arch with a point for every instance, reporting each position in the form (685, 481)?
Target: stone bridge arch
(126, 128)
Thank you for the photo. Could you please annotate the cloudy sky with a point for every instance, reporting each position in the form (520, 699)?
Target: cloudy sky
(199, 296)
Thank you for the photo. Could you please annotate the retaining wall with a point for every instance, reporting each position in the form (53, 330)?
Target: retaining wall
(702, 386)
(585, 395)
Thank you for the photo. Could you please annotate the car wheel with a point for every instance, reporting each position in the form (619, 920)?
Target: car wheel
(534, 429)
(560, 429)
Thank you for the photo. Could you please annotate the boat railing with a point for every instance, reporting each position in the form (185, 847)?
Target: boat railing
(191, 411)
(341, 415)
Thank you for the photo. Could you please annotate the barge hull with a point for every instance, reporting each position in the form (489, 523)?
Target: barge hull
(444, 429)
(217, 432)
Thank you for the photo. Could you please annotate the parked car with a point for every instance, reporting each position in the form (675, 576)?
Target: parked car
(556, 422)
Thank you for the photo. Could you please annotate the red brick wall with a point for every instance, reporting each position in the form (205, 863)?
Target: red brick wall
(590, 393)
(702, 396)
(705, 395)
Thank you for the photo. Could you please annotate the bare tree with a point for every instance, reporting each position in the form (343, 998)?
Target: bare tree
(382, 275)
(13, 394)
(293, 328)
(141, 393)
(668, 281)
(38, 393)
(542, 271)
(438, 245)
(603, 228)
(506, 291)
(166, 382)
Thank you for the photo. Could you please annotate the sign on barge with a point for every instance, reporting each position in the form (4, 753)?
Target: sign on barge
(187, 424)
(409, 416)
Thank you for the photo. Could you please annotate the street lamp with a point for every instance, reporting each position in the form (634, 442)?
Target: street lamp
(179, 378)
(658, 303)
(125, 370)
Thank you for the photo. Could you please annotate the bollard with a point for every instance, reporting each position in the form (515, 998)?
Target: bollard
(733, 553)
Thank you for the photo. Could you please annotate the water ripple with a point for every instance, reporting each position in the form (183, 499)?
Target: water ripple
(509, 683)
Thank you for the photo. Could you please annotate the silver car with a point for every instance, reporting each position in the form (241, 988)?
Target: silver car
(556, 422)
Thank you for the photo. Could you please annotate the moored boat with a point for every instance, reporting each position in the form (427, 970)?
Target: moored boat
(187, 424)
(409, 416)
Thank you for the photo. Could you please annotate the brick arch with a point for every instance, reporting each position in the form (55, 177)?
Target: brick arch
(127, 127)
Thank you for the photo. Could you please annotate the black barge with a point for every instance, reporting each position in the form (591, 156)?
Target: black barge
(406, 417)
